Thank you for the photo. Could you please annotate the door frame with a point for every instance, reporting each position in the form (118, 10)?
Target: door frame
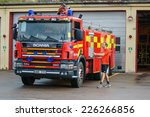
(10, 40)
(137, 37)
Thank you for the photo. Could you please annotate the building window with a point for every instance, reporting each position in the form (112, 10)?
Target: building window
(118, 48)
(117, 40)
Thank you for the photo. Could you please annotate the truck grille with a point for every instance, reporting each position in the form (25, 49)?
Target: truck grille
(41, 57)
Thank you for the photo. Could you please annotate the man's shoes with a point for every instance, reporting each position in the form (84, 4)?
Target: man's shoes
(107, 85)
(100, 86)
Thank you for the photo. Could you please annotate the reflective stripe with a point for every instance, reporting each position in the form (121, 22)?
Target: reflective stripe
(95, 39)
(109, 45)
(114, 45)
(102, 40)
(92, 44)
(78, 46)
(75, 46)
(112, 40)
(108, 39)
(40, 53)
(79, 51)
(41, 48)
(28, 55)
(98, 45)
(88, 38)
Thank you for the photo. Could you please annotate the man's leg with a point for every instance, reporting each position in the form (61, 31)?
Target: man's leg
(103, 77)
(108, 82)
(101, 81)
(107, 78)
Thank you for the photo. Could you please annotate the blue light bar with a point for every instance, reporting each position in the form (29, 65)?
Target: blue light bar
(50, 59)
(44, 53)
(69, 12)
(30, 12)
(29, 59)
(35, 52)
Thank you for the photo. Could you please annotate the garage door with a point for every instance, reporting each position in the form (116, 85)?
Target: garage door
(114, 21)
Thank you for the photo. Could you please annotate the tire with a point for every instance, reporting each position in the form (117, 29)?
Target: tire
(76, 83)
(27, 80)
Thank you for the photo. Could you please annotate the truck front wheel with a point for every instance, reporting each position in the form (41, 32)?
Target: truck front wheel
(76, 83)
(27, 80)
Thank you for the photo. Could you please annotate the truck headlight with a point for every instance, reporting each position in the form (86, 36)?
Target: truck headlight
(19, 64)
(56, 65)
(26, 64)
(66, 66)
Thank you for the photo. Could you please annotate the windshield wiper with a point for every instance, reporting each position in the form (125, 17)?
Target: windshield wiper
(52, 39)
(30, 38)
(24, 38)
(33, 38)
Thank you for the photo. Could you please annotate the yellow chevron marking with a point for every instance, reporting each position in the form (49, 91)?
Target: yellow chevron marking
(88, 38)
(102, 40)
(78, 46)
(95, 39)
(92, 44)
(98, 45)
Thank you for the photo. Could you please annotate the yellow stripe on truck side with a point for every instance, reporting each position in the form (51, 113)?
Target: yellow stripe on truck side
(95, 39)
(102, 40)
(114, 45)
(88, 38)
(108, 39)
(92, 44)
(78, 46)
(98, 45)
(112, 40)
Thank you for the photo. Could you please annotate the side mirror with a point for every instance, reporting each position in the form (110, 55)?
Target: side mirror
(78, 34)
(15, 31)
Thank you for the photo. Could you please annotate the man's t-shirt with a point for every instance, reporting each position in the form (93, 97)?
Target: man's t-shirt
(105, 58)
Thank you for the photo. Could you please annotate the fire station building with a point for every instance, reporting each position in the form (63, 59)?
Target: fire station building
(130, 22)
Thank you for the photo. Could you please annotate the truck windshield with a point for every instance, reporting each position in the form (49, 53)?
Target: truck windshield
(44, 31)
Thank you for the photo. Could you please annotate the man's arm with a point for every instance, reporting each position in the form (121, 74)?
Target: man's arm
(99, 54)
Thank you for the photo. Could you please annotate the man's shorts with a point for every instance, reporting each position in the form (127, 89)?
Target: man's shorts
(104, 68)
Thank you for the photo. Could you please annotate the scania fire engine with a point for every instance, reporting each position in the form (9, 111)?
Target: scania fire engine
(58, 46)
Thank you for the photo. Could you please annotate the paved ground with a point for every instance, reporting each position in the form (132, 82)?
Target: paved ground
(124, 86)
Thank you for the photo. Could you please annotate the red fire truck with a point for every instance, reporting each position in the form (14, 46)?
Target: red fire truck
(58, 47)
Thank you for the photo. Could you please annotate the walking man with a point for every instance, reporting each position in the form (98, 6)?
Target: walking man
(105, 65)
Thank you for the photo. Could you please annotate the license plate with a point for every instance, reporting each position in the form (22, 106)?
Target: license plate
(40, 71)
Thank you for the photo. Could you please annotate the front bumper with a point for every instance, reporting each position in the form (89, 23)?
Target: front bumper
(50, 74)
